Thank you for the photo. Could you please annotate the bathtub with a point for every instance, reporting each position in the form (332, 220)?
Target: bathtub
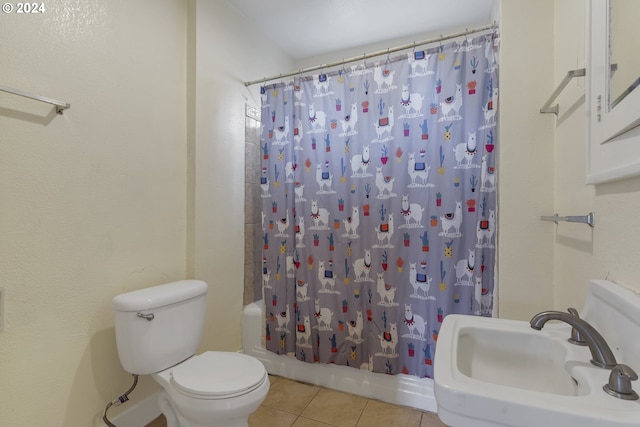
(406, 390)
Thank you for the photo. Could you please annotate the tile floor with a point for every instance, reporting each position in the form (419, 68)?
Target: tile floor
(294, 404)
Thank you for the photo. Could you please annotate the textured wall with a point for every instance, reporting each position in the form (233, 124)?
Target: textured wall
(228, 51)
(611, 248)
(93, 201)
(525, 260)
(252, 208)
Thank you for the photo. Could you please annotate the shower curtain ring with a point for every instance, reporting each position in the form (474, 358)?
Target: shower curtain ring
(322, 77)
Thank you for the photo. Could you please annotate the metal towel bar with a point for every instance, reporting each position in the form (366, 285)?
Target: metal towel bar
(589, 219)
(546, 108)
(60, 105)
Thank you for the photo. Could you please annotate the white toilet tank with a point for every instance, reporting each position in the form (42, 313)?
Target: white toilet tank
(160, 326)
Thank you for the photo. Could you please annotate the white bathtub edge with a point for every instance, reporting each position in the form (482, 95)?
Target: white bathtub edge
(401, 389)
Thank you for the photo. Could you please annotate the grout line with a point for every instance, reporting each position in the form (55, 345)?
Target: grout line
(308, 403)
(324, 422)
(362, 412)
(312, 399)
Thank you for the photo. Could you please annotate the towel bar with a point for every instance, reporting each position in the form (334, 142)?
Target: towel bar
(60, 105)
(546, 108)
(589, 219)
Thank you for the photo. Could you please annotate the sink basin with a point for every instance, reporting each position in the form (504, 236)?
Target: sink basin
(496, 372)
(515, 358)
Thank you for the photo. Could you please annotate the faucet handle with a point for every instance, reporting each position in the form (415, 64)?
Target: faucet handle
(620, 382)
(576, 338)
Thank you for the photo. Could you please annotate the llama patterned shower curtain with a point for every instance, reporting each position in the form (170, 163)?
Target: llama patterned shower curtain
(379, 206)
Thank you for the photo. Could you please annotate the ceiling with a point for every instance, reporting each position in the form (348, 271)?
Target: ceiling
(307, 28)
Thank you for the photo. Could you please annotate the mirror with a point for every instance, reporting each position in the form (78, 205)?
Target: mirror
(613, 106)
(624, 45)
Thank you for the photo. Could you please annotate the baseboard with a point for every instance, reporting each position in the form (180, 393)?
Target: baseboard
(138, 414)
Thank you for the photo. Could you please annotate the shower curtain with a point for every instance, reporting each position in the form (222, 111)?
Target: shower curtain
(379, 206)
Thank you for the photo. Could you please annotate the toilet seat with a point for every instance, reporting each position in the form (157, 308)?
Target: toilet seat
(218, 375)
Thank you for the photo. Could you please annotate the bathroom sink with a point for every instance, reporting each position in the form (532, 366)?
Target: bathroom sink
(497, 372)
(522, 359)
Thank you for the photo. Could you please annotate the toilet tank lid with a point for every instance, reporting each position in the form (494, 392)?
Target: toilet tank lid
(159, 296)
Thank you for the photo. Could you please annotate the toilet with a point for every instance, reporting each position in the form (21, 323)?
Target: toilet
(158, 330)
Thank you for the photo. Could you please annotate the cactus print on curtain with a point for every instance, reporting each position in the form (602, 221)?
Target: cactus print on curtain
(379, 206)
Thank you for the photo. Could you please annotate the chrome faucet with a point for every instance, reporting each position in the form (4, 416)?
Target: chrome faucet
(620, 383)
(601, 354)
(575, 335)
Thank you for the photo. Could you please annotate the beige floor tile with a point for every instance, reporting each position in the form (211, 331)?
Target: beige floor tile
(269, 417)
(335, 408)
(161, 421)
(318, 407)
(289, 396)
(273, 379)
(429, 419)
(306, 422)
(380, 414)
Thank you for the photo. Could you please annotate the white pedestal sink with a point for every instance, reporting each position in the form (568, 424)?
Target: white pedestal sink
(493, 372)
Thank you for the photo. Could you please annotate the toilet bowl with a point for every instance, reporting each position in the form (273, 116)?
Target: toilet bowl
(213, 389)
(158, 330)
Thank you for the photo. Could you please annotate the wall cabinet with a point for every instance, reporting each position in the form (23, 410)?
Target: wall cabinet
(613, 109)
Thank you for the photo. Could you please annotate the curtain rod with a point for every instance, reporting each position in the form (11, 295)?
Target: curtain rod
(374, 54)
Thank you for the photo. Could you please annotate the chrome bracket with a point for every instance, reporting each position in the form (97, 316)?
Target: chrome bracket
(589, 219)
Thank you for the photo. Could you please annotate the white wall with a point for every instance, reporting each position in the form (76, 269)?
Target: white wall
(611, 249)
(92, 201)
(228, 51)
(139, 183)
(109, 197)
(525, 174)
(542, 170)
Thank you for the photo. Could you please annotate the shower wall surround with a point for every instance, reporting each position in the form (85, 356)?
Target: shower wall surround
(252, 205)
